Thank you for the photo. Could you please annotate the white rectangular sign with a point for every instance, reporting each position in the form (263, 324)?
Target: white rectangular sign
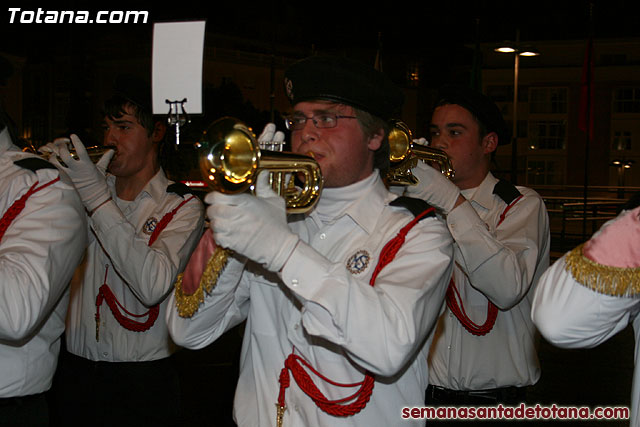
(178, 50)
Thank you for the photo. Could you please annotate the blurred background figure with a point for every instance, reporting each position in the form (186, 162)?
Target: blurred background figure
(42, 239)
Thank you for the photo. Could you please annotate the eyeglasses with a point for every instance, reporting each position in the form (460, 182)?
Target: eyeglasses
(320, 121)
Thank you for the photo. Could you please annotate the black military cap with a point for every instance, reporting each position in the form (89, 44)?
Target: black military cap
(478, 104)
(344, 81)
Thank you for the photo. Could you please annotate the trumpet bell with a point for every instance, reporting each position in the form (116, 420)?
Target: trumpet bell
(228, 156)
(400, 142)
(404, 155)
(230, 159)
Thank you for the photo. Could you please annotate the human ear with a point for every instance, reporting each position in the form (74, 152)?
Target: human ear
(375, 140)
(159, 129)
(490, 142)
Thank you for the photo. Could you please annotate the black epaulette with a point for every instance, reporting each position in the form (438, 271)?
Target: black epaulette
(633, 202)
(506, 191)
(33, 163)
(179, 189)
(413, 205)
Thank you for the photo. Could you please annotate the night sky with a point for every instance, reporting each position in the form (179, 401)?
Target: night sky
(429, 28)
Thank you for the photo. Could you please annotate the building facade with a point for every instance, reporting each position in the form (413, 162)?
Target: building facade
(553, 150)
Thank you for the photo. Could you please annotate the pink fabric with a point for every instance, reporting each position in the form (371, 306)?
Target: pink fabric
(617, 244)
(197, 263)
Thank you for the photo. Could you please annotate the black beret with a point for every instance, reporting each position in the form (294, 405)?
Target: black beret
(478, 104)
(134, 89)
(344, 81)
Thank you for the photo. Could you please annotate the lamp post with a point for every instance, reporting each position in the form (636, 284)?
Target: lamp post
(517, 51)
(622, 166)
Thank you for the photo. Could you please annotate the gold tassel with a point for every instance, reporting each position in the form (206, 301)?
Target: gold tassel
(615, 281)
(187, 305)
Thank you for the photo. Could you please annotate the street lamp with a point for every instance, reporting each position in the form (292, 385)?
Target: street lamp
(517, 50)
(622, 166)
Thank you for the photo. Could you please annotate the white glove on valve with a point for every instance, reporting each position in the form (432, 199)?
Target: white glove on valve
(88, 179)
(434, 188)
(253, 226)
(270, 139)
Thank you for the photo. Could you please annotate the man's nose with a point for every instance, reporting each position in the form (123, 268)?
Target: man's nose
(110, 138)
(309, 133)
(438, 142)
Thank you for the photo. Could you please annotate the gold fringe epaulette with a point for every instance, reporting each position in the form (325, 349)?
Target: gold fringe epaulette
(187, 305)
(615, 281)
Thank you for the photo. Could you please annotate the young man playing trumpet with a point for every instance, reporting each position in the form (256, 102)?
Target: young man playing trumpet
(483, 352)
(322, 293)
(142, 230)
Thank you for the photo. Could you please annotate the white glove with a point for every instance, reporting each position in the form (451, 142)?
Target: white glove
(88, 179)
(253, 226)
(270, 139)
(52, 148)
(421, 141)
(434, 188)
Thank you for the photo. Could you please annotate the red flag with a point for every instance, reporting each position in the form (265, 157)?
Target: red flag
(585, 119)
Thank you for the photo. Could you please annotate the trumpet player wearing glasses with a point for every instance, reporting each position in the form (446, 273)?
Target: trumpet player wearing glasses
(42, 239)
(339, 301)
(483, 352)
(142, 230)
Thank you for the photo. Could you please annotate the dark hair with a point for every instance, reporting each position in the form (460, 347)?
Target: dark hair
(115, 108)
(482, 128)
(371, 124)
(483, 109)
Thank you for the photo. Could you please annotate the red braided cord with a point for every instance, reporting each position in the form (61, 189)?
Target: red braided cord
(17, 206)
(453, 296)
(454, 301)
(391, 248)
(332, 407)
(305, 382)
(504, 213)
(127, 323)
(105, 293)
(165, 220)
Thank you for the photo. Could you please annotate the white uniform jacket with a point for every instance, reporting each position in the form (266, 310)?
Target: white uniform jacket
(498, 260)
(571, 314)
(140, 276)
(39, 251)
(323, 306)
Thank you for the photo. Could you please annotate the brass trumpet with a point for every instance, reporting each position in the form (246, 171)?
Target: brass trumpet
(404, 154)
(230, 158)
(95, 152)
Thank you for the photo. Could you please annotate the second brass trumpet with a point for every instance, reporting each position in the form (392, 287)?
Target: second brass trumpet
(404, 154)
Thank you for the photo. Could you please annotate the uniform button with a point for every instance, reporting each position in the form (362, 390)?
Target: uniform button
(105, 354)
(323, 236)
(294, 283)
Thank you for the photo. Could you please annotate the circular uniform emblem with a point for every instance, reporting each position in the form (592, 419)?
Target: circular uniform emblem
(358, 262)
(149, 225)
